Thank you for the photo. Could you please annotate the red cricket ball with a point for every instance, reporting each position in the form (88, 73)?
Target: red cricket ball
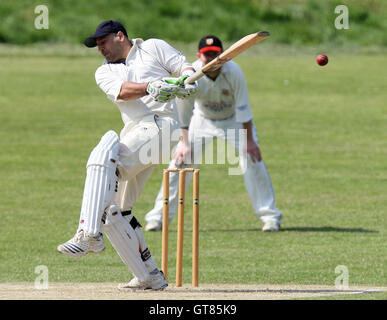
(322, 59)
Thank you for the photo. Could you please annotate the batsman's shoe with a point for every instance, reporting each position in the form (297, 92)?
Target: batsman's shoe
(154, 225)
(156, 281)
(82, 244)
(271, 226)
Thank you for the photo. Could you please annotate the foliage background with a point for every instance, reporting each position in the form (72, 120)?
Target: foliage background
(306, 22)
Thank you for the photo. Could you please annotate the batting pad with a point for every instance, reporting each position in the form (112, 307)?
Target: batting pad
(101, 182)
(124, 240)
(150, 264)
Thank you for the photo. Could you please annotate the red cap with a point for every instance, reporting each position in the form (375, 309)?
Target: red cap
(210, 43)
(210, 48)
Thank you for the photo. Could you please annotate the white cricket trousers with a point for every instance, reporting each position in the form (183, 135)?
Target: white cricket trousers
(257, 180)
(136, 161)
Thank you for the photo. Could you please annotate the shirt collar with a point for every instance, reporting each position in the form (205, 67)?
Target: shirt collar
(135, 43)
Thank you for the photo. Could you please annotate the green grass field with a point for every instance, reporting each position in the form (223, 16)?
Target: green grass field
(323, 134)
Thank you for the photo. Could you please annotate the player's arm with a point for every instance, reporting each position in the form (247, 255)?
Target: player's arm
(185, 110)
(251, 147)
(132, 90)
(183, 149)
(159, 90)
(175, 63)
(243, 112)
(116, 88)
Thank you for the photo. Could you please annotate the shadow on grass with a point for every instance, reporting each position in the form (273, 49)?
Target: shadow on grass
(329, 229)
(300, 229)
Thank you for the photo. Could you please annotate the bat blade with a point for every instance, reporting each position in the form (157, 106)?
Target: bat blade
(236, 49)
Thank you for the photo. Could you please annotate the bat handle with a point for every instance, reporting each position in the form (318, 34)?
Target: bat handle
(196, 76)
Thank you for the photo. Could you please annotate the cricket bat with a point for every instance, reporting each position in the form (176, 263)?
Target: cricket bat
(237, 48)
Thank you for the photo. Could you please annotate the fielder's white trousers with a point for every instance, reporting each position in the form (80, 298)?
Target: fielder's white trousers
(257, 180)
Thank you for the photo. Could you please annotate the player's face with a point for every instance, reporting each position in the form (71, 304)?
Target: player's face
(110, 47)
(208, 56)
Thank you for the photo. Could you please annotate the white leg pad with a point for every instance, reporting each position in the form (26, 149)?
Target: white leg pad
(150, 264)
(100, 184)
(124, 240)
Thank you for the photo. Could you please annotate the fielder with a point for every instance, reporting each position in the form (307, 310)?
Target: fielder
(221, 103)
(132, 77)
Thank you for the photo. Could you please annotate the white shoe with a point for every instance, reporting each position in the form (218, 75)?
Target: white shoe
(271, 225)
(82, 244)
(156, 281)
(154, 225)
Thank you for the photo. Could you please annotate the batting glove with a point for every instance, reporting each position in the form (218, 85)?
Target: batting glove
(190, 88)
(161, 90)
(185, 90)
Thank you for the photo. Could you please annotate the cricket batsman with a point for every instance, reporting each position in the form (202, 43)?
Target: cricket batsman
(133, 77)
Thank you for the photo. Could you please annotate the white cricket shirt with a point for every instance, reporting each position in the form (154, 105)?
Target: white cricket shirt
(147, 61)
(224, 97)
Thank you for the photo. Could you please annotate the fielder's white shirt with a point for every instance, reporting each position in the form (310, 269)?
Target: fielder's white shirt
(147, 61)
(225, 96)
